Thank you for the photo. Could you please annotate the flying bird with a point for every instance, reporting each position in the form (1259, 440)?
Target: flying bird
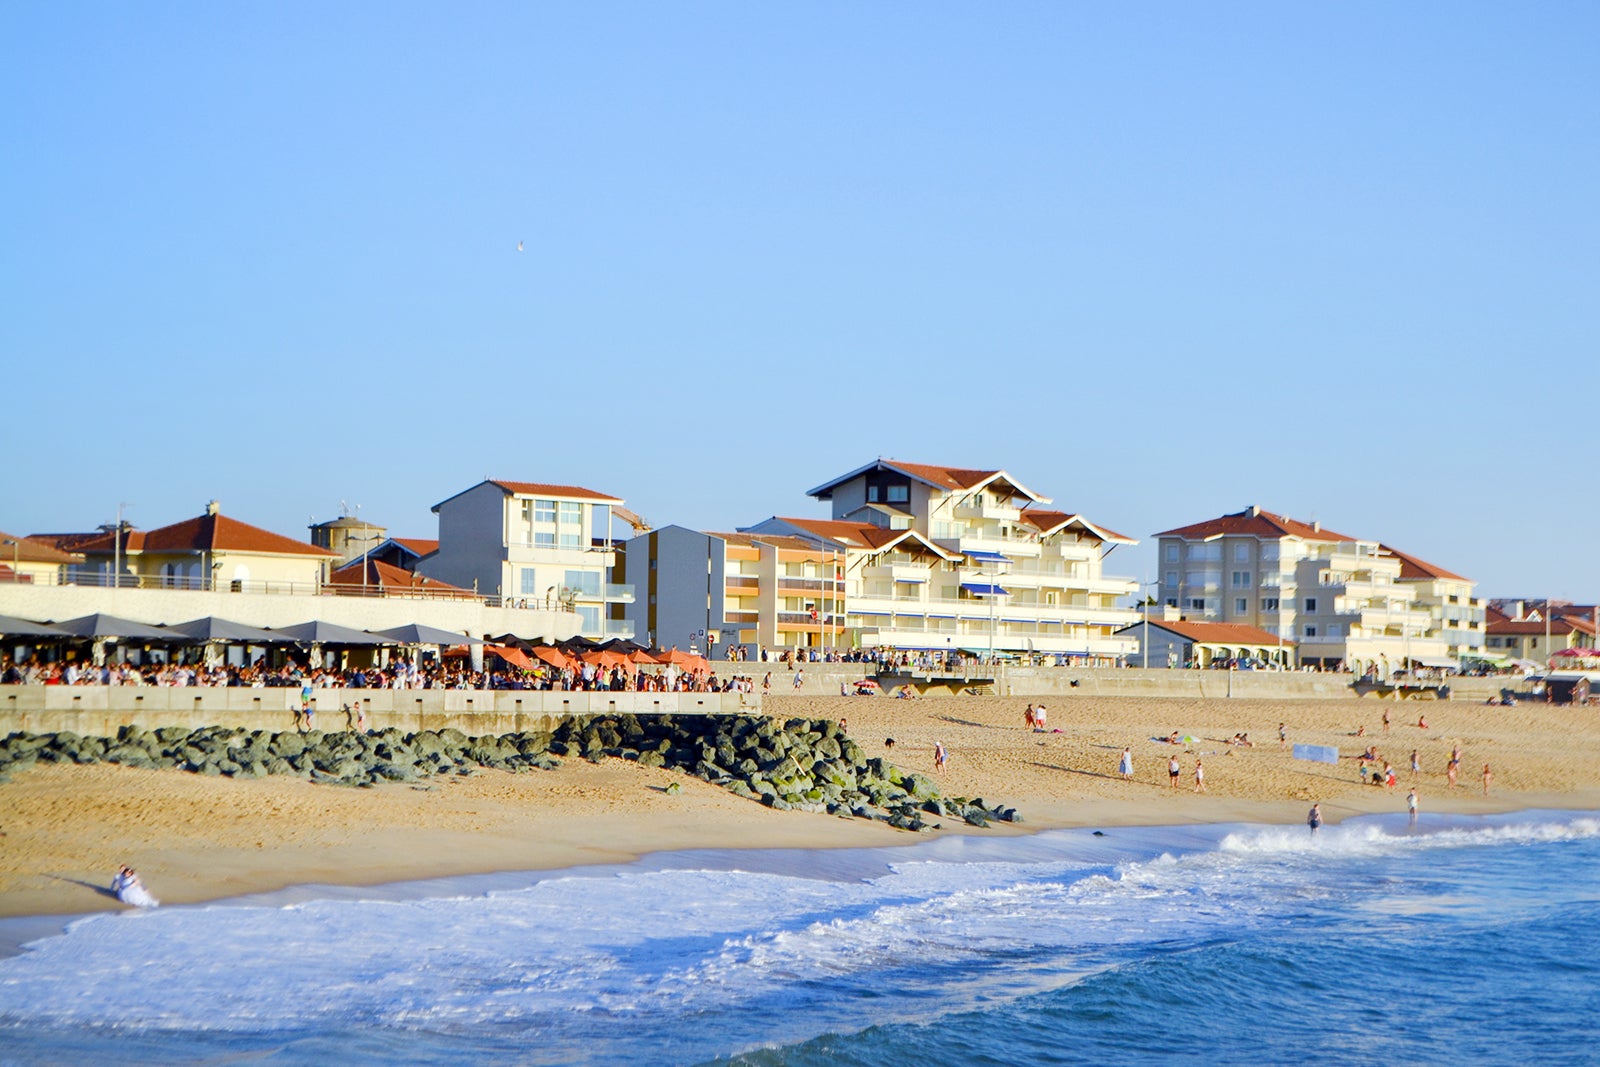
(519, 246)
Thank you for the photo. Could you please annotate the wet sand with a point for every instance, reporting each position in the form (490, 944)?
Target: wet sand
(65, 829)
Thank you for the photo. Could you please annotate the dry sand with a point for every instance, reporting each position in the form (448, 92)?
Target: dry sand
(65, 829)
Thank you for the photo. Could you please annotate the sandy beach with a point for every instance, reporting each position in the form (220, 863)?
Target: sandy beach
(65, 829)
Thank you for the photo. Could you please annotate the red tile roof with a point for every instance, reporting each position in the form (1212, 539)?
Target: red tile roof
(422, 546)
(947, 477)
(1050, 521)
(30, 550)
(576, 492)
(783, 541)
(1412, 568)
(859, 535)
(207, 533)
(1558, 627)
(385, 576)
(1257, 523)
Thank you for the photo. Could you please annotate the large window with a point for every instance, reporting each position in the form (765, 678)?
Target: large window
(899, 494)
(530, 580)
(1241, 579)
(571, 513)
(1241, 606)
(544, 511)
(590, 616)
(1311, 605)
(586, 582)
(1172, 553)
(544, 540)
(571, 539)
(1269, 603)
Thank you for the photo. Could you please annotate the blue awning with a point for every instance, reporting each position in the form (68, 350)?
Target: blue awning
(912, 581)
(983, 589)
(985, 557)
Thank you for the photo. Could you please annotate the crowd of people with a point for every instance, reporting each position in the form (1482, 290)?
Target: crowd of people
(402, 673)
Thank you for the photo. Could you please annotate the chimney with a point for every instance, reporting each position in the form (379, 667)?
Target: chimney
(212, 507)
(1316, 525)
(1255, 511)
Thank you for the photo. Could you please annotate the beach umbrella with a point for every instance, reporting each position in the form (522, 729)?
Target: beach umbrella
(14, 627)
(553, 656)
(604, 659)
(212, 630)
(112, 628)
(327, 633)
(416, 633)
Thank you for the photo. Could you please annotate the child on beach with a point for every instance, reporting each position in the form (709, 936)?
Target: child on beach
(1173, 771)
(1199, 776)
(938, 755)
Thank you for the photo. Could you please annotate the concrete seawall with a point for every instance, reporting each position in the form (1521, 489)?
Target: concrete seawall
(94, 710)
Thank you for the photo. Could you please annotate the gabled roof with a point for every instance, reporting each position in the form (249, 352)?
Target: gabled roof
(417, 546)
(541, 489)
(1558, 627)
(28, 550)
(1414, 569)
(947, 479)
(1049, 522)
(1253, 522)
(1213, 633)
(211, 532)
(382, 575)
(862, 536)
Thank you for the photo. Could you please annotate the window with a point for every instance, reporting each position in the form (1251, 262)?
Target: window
(571, 513)
(1172, 579)
(1172, 601)
(590, 616)
(1333, 629)
(571, 540)
(587, 582)
(872, 494)
(899, 494)
(1241, 553)
(1241, 579)
(1172, 553)
(544, 540)
(1269, 603)
(544, 511)
(1311, 605)
(1311, 631)
(1240, 606)
(530, 580)
(1197, 603)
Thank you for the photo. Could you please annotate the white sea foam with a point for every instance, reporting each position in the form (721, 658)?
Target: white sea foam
(675, 944)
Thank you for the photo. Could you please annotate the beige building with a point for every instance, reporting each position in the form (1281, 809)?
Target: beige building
(1341, 599)
(1538, 631)
(210, 551)
(27, 559)
(534, 545)
(946, 559)
(1455, 616)
(711, 590)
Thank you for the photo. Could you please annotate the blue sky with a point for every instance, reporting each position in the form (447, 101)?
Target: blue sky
(1159, 261)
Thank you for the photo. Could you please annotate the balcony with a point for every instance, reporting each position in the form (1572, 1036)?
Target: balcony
(614, 594)
(899, 572)
(982, 509)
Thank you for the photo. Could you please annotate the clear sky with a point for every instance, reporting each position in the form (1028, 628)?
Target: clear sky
(1160, 261)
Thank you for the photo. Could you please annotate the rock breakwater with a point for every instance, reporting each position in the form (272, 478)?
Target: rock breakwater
(800, 764)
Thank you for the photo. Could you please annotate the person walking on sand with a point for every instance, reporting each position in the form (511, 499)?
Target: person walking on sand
(1039, 717)
(1314, 819)
(1125, 766)
(1488, 776)
(1416, 763)
(1385, 720)
(1027, 717)
(1283, 735)
(1199, 776)
(1173, 770)
(938, 755)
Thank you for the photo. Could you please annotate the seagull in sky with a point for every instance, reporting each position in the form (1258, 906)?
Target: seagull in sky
(519, 246)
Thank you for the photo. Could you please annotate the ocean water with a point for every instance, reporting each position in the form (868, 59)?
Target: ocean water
(1458, 941)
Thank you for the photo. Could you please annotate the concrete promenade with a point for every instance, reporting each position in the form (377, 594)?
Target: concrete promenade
(95, 710)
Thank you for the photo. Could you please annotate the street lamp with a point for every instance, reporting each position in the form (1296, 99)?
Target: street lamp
(15, 549)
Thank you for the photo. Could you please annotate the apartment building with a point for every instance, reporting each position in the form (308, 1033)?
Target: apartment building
(1456, 616)
(948, 558)
(534, 545)
(1341, 599)
(710, 590)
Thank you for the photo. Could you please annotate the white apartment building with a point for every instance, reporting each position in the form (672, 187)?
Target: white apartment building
(947, 558)
(1341, 599)
(534, 546)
